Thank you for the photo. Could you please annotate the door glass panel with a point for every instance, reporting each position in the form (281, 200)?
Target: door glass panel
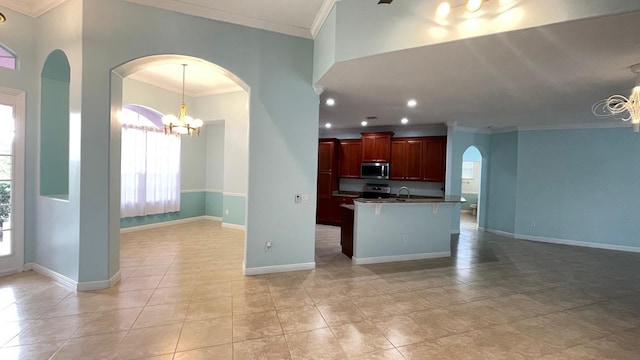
(6, 157)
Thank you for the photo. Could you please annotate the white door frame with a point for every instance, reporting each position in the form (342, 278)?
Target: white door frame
(15, 262)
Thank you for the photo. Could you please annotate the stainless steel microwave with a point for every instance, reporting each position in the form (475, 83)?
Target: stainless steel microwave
(374, 170)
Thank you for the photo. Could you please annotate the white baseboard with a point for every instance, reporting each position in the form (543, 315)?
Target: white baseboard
(564, 241)
(70, 283)
(455, 232)
(9, 272)
(499, 232)
(166, 223)
(233, 226)
(213, 218)
(394, 258)
(99, 285)
(578, 243)
(277, 268)
(53, 275)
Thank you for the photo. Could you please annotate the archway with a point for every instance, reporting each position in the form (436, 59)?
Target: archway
(119, 78)
(471, 189)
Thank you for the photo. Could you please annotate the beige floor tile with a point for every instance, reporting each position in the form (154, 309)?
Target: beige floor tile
(288, 299)
(154, 315)
(315, 344)
(107, 322)
(255, 326)
(213, 308)
(205, 333)
(220, 352)
(391, 354)
(171, 295)
(360, 338)
(42, 350)
(339, 313)
(148, 342)
(252, 303)
(60, 328)
(301, 319)
(426, 350)
(401, 330)
(139, 283)
(249, 285)
(91, 347)
(274, 348)
(208, 292)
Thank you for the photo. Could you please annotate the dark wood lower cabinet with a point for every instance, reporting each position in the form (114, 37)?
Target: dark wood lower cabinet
(346, 231)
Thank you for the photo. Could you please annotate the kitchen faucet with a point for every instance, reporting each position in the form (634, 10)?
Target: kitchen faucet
(404, 188)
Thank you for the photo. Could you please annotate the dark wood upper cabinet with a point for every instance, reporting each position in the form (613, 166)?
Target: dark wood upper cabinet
(376, 147)
(434, 158)
(406, 159)
(350, 158)
(327, 155)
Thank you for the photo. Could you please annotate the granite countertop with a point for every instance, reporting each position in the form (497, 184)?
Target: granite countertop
(351, 194)
(414, 199)
(348, 206)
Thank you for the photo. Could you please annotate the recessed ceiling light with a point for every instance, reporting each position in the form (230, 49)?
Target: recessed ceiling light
(443, 10)
(364, 123)
(412, 103)
(327, 125)
(404, 121)
(474, 5)
(330, 102)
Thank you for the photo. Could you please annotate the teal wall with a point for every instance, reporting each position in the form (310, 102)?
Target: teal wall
(501, 194)
(236, 208)
(192, 204)
(213, 204)
(579, 185)
(54, 127)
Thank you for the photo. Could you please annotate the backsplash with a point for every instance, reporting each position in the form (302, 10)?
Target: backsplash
(416, 187)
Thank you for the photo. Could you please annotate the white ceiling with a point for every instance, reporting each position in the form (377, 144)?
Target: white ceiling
(548, 76)
(544, 76)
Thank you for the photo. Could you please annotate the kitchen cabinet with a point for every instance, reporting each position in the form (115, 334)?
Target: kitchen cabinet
(406, 159)
(346, 231)
(350, 158)
(376, 147)
(434, 153)
(327, 180)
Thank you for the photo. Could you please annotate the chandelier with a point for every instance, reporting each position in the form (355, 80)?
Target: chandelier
(621, 107)
(183, 123)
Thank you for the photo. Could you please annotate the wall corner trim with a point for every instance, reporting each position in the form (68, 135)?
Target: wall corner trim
(98, 285)
(277, 268)
(394, 258)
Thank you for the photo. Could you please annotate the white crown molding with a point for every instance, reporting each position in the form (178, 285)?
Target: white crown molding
(467, 129)
(214, 14)
(38, 8)
(178, 90)
(321, 16)
(608, 125)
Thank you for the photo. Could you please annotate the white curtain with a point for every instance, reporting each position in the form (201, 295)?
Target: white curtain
(150, 172)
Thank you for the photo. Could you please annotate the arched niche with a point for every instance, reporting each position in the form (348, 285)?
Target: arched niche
(54, 126)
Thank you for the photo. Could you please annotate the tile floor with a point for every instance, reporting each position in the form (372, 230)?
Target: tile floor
(183, 296)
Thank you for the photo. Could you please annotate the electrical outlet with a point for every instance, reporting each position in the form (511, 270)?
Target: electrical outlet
(267, 246)
(533, 223)
(298, 198)
(405, 238)
(226, 212)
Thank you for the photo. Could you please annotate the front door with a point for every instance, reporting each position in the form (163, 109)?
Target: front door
(11, 182)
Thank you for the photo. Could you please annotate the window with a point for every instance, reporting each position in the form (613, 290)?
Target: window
(150, 165)
(7, 58)
(467, 169)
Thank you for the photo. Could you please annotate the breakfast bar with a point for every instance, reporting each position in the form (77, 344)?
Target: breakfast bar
(399, 229)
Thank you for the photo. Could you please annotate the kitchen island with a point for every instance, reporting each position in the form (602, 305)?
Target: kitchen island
(400, 229)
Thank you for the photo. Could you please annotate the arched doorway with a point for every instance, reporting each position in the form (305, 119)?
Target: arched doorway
(471, 188)
(198, 69)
